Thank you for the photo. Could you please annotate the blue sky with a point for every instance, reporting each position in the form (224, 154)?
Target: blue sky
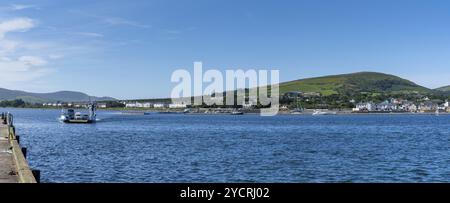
(129, 49)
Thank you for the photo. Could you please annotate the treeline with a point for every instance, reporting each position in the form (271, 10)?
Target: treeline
(17, 103)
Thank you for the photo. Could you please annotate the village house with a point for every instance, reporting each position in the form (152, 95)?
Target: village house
(428, 106)
(387, 106)
(365, 106)
(147, 105)
(160, 105)
(130, 105)
(408, 106)
(177, 105)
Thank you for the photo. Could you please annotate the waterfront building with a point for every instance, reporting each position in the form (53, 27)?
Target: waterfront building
(365, 106)
(428, 106)
(101, 105)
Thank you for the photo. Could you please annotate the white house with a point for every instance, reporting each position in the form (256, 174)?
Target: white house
(147, 105)
(409, 106)
(102, 105)
(177, 105)
(366, 106)
(130, 105)
(160, 105)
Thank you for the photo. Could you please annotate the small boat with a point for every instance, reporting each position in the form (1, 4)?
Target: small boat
(70, 116)
(297, 111)
(237, 112)
(321, 113)
(437, 112)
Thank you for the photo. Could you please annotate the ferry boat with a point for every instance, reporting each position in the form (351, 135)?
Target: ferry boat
(70, 116)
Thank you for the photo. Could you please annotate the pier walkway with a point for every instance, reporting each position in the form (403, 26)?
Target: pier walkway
(13, 165)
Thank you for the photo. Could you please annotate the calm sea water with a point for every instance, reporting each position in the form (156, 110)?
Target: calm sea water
(249, 148)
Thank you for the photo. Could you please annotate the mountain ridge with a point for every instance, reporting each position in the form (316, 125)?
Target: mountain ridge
(61, 96)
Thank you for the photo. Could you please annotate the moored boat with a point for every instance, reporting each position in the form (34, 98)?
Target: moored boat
(321, 113)
(236, 112)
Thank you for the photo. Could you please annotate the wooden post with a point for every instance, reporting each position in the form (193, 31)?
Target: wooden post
(24, 152)
(37, 175)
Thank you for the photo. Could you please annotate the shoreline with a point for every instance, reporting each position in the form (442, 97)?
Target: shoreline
(202, 111)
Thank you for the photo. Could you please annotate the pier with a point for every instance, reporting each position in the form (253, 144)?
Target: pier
(14, 167)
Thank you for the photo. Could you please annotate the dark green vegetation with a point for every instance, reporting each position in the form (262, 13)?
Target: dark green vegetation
(444, 89)
(114, 104)
(62, 96)
(18, 103)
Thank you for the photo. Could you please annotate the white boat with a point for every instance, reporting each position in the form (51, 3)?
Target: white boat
(237, 112)
(321, 113)
(297, 111)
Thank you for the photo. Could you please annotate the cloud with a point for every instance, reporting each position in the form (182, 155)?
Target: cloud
(16, 25)
(121, 21)
(18, 7)
(55, 56)
(7, 46)
(112, 21)
(32, 61)
(173, 32)
(15, 64)
(24, 68)
(89, 34)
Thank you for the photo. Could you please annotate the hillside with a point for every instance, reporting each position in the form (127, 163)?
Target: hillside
(63, 96)
(444, 89)
(350, 84)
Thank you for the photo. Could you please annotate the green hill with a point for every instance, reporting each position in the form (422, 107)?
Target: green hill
(354, 83)
(444, 89)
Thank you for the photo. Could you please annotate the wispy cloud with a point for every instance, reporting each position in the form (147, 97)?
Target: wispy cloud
(16, 25)
(18, 7)
(14, 65)
(173, 32)
(112, 20)
(24, 68)
(89, 34)
(122, 21)
(55, 56)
